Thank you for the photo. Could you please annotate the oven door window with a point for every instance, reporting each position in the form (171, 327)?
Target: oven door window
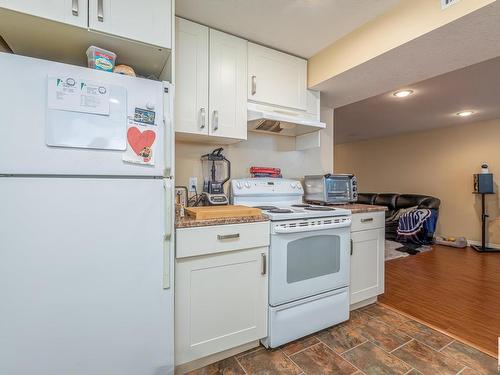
(312, 257)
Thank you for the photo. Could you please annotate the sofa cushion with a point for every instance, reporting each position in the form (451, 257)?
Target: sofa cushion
(366, 198)
(386, 199)
(422, 201)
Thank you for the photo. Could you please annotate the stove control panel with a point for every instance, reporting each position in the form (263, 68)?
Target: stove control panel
(266, 186)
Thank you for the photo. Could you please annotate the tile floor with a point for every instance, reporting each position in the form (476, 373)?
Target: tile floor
(376, 340)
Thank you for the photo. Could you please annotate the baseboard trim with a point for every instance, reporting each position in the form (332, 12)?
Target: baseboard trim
(363, 303)
(479, 243)
(205, 361)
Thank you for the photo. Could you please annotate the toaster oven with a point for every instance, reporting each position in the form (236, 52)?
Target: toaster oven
(331, 188)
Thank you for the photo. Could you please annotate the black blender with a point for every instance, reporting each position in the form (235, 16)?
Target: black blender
(216, 172)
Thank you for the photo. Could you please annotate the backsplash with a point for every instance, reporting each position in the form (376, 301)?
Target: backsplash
(260, 150)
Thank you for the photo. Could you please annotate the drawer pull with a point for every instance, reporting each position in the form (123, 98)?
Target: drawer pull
(74, 7)
(264, 264)
(254, 85)
(221, 237)
(100, 10)
(367, 219)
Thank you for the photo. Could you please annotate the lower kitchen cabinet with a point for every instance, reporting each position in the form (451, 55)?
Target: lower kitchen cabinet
(221, 301)
(368, 256)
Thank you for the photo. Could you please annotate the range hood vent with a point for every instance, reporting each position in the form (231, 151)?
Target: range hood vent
(269, 126)
(276, 120)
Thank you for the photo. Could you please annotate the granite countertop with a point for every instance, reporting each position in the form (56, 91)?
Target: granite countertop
(189, 222)
(361, 208)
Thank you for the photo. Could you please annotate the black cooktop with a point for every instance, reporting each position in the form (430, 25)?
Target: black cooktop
(281, 211)
(319, 208)
(267, 208)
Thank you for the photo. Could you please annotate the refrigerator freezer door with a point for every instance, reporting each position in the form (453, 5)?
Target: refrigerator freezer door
(81, 277)
(24, 107)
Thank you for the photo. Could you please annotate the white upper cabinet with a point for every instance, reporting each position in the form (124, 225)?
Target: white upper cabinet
(228, 86)
(191, 83)
(73, 12)
(211, 84)
(276, 78)
(147, 21)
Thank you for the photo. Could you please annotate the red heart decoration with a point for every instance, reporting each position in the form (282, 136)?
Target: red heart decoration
(138, 140)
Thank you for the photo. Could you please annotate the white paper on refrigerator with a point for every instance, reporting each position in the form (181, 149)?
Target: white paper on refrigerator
(77, 95)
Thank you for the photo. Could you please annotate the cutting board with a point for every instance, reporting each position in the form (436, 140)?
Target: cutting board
(217, 212)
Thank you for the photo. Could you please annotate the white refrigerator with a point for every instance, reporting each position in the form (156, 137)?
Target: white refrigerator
(86, 221)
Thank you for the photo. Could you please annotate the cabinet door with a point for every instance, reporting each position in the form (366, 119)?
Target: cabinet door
(147, 21)
(367, 264)
(220, 302)
(276, 78)
(191, 77)
(228, 86)
(73, 12)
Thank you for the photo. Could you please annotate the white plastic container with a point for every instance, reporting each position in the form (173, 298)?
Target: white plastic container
(100, 59)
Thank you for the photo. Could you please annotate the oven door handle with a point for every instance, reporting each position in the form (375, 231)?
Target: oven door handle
(310, 228)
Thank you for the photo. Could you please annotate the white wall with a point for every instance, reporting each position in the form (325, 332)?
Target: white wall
(261, 150)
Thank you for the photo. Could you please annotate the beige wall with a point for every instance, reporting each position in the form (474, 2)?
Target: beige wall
(406, 21)
(440, 163)
(261, 150)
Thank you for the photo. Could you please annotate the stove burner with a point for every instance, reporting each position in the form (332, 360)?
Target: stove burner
(318, 208)
(281, 211)
(266, 208)
(301, 205)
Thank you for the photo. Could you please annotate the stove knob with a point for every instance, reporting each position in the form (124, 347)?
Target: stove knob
(298, 185)
(238, 185)
(292, 185)
(247, 185)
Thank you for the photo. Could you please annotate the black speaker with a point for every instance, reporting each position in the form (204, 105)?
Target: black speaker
(483, 183)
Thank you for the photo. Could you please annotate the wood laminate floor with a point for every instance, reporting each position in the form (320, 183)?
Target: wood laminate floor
(375, 341)
(456, 291)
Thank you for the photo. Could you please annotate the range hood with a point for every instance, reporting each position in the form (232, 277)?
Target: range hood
(275, 120)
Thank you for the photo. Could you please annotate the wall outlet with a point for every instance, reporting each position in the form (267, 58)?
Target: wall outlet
(193, 183)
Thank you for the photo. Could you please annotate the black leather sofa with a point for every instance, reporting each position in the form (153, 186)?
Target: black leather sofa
(395, 202)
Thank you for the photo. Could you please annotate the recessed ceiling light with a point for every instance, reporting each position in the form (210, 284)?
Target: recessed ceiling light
(403, 93)
(465, 113)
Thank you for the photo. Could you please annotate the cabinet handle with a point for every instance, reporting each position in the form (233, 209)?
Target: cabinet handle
(74, 7)
(100, 10)
(352, 246)
(202, 118)
(221, 237)
(216, 120)
(367, 219)
(264, 264)
(254, 85)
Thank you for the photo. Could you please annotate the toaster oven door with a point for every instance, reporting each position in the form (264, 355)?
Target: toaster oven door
(339, 189)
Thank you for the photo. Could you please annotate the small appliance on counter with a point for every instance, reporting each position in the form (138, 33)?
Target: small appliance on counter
(216, 172)
(331, 189)
(265, 172)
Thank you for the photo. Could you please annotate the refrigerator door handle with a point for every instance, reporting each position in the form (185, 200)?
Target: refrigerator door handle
(167, 243)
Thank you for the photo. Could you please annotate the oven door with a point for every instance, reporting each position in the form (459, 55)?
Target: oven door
(306, 263)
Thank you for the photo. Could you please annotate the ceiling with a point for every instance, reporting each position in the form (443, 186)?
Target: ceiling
(433, 104)
(466, 41)
(299, 27)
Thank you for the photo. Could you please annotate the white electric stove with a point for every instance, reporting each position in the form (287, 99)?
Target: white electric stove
(309, 258)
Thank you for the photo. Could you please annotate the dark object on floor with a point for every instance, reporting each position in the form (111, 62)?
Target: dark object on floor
(395, 202)
(409, 248)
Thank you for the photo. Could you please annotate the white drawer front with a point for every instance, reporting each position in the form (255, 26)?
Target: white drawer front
(368, 220)
(220, 238)
(293, 320)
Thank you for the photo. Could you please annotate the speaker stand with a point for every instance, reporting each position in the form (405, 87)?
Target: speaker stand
(484, 217)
